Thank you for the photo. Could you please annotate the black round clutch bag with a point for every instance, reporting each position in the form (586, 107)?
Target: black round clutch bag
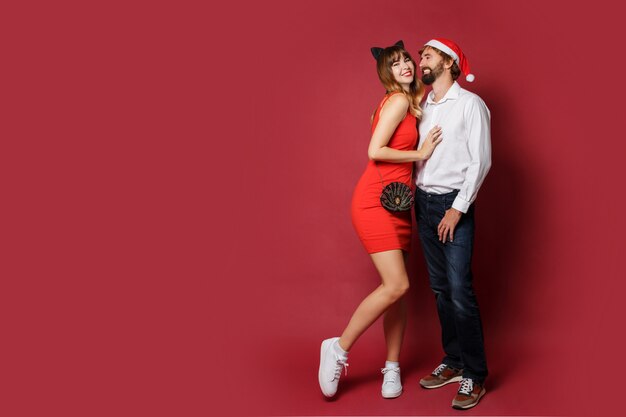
(397, 196)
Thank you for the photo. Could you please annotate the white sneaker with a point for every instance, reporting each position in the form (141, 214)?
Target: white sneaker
(392, 386)
(331, 365)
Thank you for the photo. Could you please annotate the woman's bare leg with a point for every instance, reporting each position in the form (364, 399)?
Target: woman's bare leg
(395, 283)
(394, 323)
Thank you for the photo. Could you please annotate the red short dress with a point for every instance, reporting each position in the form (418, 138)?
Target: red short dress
(379, 229)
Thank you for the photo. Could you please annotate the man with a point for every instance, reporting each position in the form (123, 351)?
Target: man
(447, 185)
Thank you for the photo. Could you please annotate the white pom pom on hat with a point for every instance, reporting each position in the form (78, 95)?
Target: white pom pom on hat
(452, 49)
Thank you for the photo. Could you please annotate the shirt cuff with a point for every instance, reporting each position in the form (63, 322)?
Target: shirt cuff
(460, 204)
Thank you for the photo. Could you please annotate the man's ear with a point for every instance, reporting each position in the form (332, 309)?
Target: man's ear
(448, 62)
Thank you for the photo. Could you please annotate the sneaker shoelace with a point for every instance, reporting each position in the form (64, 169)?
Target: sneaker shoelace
(340, 365)
(467, 386)
(439, 369)
(391, 374)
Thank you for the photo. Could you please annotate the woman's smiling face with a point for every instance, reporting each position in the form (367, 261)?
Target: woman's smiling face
(403, 70)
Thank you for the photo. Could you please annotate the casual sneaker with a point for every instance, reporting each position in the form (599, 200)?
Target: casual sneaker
(468, 395)
(331, 365)
(441, 376)
(392, 386)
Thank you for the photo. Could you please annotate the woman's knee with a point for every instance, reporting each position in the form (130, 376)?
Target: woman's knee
(397, 290)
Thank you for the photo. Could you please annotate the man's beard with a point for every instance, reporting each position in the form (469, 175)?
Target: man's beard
(430, 78)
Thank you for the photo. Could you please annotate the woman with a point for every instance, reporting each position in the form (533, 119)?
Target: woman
(385, 235)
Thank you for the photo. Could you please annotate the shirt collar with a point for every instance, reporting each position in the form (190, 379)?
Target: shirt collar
(451, 94)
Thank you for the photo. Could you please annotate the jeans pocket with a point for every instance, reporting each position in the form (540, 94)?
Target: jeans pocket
(449, 200)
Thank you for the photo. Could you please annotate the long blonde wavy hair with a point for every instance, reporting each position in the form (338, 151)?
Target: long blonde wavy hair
(416, 89)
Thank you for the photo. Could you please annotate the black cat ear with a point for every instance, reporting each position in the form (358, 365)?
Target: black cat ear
(399, 43)
(376, 51)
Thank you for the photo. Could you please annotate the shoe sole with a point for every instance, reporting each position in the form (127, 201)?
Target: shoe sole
(449, 381)
(481, 394)
(392, 394)
(319, 373)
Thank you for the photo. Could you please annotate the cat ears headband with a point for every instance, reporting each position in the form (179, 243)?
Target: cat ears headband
(376, 51)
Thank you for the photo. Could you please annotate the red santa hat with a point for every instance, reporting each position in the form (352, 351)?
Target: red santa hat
(452, 49)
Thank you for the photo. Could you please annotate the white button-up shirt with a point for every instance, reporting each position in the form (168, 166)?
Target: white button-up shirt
(463, 158)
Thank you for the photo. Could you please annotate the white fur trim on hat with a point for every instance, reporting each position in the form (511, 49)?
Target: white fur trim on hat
(444, 48)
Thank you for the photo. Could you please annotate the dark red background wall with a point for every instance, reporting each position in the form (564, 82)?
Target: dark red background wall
(176, 181)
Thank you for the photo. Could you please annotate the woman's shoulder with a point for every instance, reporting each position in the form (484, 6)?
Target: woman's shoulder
(396, 96)
(396, 100)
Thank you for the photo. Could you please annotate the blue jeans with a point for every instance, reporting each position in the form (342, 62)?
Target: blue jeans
(449, 268)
